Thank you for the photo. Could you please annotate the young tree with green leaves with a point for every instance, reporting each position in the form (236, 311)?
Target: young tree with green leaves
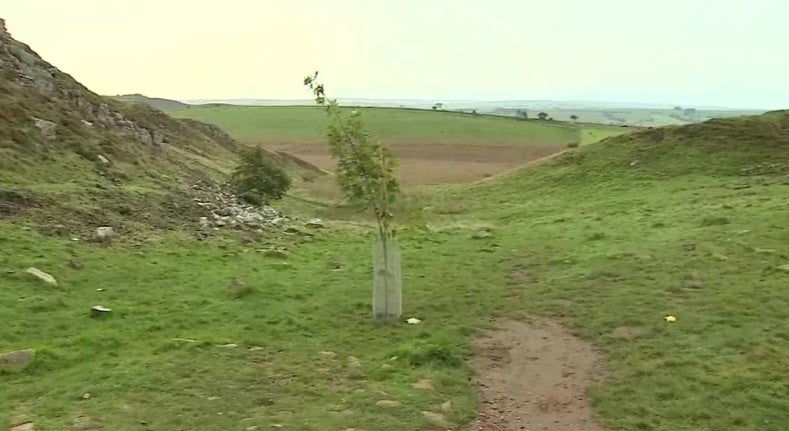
(365, 173)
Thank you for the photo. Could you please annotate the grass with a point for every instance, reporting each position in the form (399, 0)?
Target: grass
(167, 289)
(688, 222)
(303, 123)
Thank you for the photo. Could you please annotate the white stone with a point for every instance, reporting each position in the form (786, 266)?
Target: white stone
(43, 276)
(105, 232)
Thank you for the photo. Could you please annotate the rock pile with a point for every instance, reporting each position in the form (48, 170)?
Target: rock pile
(225, 209)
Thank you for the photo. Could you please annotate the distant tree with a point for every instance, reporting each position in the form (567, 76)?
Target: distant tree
(574, 118)
(678, 108)
(542, 116)
(522, 114)
(689, 111)
(438, 106)
(257, 179)
(474, 112)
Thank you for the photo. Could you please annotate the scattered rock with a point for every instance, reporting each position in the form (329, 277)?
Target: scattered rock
(99, 310)
(18, 420)
(446, 406)
(720, 257)
(389, 404)
(86, 396)
(764, 250)
(75, 263)
(425, 384)
(85, 423)
(28, 426)
(103, 160)
(230, 345)
(480, 235)
(47, 128)
(689, 247)
(43, 276)
(328, 354)
(237, 288)
(354, 362)
(255, 348)
(436, 419)
(225, 209)
(784, 268)
(315, 223)
(105, 233)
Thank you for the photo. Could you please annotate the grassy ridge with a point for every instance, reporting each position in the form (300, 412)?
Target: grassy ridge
(309, 123)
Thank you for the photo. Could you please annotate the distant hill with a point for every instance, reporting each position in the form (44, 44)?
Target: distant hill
(154, 102)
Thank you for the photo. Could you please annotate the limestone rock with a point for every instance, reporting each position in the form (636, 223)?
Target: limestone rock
(315, 223)
(17, 360)
(105, 233)
(436, 419)
(75, 263)
(84, 423)
(389, 404)
(425, 384)
(47, 128)
(43, 276)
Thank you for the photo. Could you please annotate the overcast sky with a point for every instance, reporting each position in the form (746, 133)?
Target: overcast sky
(694, 52)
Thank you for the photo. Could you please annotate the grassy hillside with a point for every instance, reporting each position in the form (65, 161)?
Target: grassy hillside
(686, 221)
(272, 124)
(608, 239)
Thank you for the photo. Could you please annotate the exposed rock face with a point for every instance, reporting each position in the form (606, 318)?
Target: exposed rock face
(31, 71)
(47, 117)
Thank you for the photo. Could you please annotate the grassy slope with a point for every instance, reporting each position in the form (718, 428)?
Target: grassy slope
(605, 244)
(309, 123)
(588, 239)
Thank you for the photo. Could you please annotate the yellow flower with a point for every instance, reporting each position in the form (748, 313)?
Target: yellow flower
(671, 318)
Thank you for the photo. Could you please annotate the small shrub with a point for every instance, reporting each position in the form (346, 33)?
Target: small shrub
(572, 145)
(257, 179)
(430, 353)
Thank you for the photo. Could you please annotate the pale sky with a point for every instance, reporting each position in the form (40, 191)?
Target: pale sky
(690, 52)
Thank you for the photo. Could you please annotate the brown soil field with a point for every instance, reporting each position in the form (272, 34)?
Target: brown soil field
(433, 162)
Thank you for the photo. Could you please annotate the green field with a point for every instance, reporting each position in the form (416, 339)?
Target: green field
(300, 123)
(689, 222)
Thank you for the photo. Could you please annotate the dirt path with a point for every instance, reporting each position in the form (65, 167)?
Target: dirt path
(534, 377)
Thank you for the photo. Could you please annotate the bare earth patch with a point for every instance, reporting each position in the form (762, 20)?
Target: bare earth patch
(433, 162)
(535, 376)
